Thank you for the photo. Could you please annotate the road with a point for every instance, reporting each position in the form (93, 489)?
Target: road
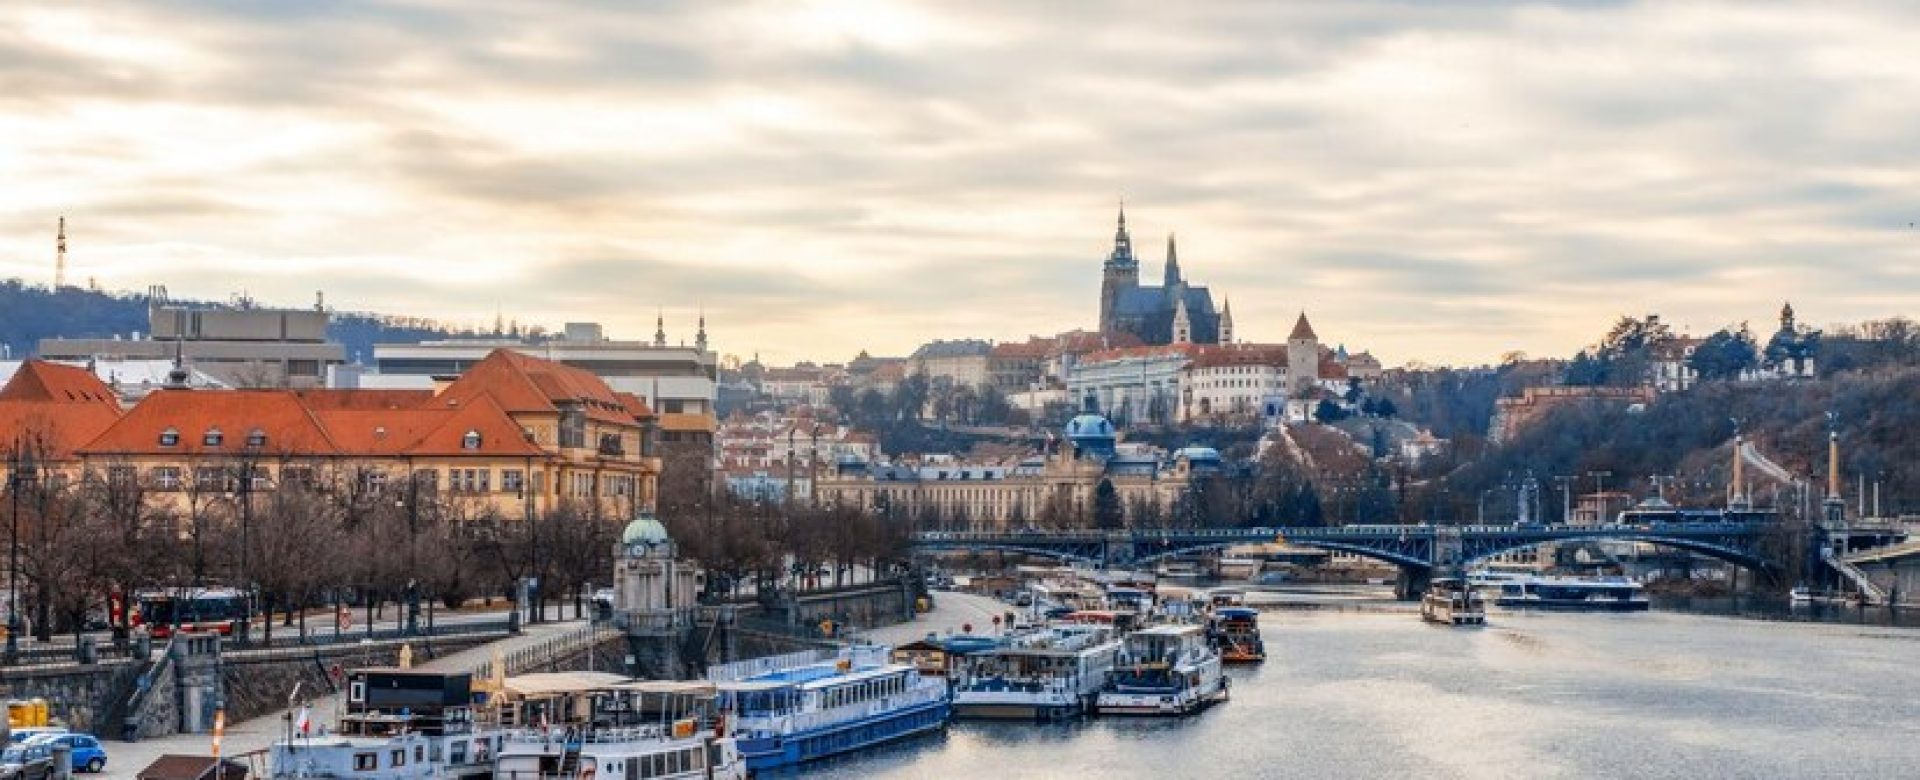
(952, 611)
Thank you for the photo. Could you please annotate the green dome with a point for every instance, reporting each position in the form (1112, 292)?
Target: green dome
(645, 529)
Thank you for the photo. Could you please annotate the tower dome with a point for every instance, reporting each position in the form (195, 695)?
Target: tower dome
(1091, 434)
(645, 529)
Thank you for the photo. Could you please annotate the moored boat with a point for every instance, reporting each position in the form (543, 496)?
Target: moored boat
(398, 725)
(1236, 632)
(1051, 676)
(582, 727)
(1164, 670)
(1611, 594)
(804, 707)
(1453, 602)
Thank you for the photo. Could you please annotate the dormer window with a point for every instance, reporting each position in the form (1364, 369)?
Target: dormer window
(213, 437)
(471, 441)
(256, 439)
(170, 437)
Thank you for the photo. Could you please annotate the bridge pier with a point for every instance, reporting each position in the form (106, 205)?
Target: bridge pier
(1412, 582)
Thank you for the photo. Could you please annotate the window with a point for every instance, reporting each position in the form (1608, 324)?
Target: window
(208, 478)
(213, 437)
(357, 692)
(121, 475)
(256, 439)
(512, 480)
(366, 762)
(170, 437)
(166, 478)
(471, 441)
(399, 757)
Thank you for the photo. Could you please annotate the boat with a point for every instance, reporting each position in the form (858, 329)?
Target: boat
(1614, 594)
(577, 726)
(399, 724)
(1164, 670)
(1236, 632)
(1240, 568)
(1800, 595)
(1226, 597)
(806, 706)
(1052, 675)
(1453, 602)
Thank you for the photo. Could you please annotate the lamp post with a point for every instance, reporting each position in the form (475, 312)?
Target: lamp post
(19, 475)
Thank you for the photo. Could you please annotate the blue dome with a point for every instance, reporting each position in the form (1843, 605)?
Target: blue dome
(1089, 426)
(1197, 453)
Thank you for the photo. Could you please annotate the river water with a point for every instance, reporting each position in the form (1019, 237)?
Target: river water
(1532, 695)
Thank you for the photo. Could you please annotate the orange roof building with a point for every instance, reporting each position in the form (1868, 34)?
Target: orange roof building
(49, 410)
(521, 433)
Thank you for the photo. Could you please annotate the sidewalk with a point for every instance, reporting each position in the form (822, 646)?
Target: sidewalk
(125, 760)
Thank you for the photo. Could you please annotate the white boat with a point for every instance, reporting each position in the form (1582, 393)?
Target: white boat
(794, 709)
(1453, 602)
(1164, 670)
(398, 725)
(1611, 594)
(1800, 594)
(1240, 568)
(1055, 674)
(579, 727)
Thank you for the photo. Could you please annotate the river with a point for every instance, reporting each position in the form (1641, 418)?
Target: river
(1360, 694)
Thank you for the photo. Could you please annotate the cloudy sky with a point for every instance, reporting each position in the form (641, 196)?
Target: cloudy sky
(1436, 182)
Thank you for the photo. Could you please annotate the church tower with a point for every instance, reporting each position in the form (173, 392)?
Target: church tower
(1182, 324)
(1172, 279)
(1121, 272)
(1303, 357)
(1226, 321)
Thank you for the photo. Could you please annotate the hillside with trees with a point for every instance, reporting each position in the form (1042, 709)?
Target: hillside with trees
(29, 313)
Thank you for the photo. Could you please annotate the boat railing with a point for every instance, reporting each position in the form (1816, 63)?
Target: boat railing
(800, 722)
(753, 667)
(589, 736)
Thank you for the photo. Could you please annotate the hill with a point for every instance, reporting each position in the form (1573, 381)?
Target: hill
(31, 313)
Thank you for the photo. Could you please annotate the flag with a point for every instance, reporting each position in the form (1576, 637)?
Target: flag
(303, 724)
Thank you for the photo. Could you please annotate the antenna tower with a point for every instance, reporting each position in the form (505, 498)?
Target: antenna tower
(60, 256)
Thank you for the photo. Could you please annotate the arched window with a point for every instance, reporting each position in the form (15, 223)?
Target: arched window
(170, 437)
(471, 441)
(256, 438)
(213, 437)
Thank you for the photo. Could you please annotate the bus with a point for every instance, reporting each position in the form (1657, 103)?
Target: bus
(190, 609)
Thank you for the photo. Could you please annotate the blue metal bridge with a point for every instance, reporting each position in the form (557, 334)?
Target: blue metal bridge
(1419, 550)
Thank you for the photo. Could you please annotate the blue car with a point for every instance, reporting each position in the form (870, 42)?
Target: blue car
(88, 756)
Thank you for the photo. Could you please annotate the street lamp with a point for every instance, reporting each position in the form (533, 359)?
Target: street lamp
(20, 474)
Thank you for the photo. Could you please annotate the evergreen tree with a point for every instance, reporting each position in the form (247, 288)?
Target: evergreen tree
(1107, 512)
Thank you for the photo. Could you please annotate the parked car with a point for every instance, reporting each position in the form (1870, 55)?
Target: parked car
(88, 755)
(24, 733)
(26, 762)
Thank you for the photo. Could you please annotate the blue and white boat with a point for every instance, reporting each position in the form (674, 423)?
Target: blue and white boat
(1607, 594)
(1051, 674)
(1164, 670)
(802, 707)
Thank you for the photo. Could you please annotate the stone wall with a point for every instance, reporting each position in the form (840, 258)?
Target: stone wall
(258, 683)
(74, 694)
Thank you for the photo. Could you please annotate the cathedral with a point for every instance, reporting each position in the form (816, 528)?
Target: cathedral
(1173, 313)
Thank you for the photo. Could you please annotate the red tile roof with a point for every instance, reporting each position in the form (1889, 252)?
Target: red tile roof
(39, 380)
(356, 398)
(523, 383)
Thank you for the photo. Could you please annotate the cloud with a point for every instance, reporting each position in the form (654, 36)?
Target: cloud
(1440, 182)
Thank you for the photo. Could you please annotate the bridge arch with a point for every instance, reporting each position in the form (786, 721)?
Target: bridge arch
(1400, 559)
(1717, 550)
(1075, 556)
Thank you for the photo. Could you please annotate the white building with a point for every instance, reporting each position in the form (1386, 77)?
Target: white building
(1233, 382)
(1133, 385)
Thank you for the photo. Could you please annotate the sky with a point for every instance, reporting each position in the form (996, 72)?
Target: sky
(1437, 182)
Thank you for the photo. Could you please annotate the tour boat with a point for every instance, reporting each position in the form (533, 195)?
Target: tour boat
(398, 725)
(1236, 632)
(1054, 675)
(801, 707)
(1453, 602)
(1614, 594)
(1800, 595)
(1164, 670)
(579, 727)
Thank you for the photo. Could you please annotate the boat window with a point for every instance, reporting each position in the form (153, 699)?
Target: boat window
(419, 753)
(457, 752)
(366, 762)
(399, 757)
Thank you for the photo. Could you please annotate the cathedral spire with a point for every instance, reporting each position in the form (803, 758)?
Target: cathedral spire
(1122, 257)
(660, 328)
(700, 336)
(1173, 265)
(1226, 321)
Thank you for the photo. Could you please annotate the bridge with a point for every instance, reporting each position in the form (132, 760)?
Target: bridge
(1418, 550)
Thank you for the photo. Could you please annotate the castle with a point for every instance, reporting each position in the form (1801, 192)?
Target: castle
(1173, 313)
